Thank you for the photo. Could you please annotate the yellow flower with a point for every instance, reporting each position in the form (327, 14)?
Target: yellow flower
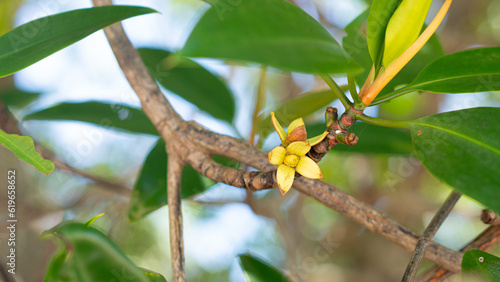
(290, 160)
(291, 156)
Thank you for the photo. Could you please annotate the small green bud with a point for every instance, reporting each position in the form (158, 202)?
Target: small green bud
(330, 116)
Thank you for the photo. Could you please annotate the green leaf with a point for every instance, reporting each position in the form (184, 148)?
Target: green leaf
(91, 256)
(404, 27)
(114, 116)
(24, 149)
(355, 45)
(474, 70)
(462, 149)
(301, 106)
(431, 51)
(256, 270)
(270, 32)
(381, 12)
(17, 98)
(486, 265)
(33, 41)
(150, 190)
(372, 139)
(190, 81)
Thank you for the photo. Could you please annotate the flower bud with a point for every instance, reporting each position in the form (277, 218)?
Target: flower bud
(404, 27)
(291, 160)
(330, 116)
(298, 134)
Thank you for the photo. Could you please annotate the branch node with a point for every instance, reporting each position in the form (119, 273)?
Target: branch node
(490, 217)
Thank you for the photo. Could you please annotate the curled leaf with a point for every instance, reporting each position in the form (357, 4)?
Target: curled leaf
(92, 220)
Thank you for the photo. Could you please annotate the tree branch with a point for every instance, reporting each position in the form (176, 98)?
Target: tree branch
(376, 221)
(174, 179)
(430, 231)
(252, 180)
(193, 139)
(154, 104)
(325, 193)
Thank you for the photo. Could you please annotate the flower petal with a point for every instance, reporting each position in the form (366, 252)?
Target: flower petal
(278, 128)
(309, 168)
(294, 124)
(299, 148)
(315, 140)
(277, 155)
(284, 177)
(298, 134)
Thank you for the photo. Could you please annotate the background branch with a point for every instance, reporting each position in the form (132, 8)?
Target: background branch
(488, 239)
(174, 178)
(430, 231)
(10, 125)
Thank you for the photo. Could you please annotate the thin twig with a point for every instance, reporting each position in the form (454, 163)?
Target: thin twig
(108, 186)
(430, 231)
(261, 98)
(487, 240)
(336, 90)
(352, 89)
(10, 125)
(174, 179)
(215, 203)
